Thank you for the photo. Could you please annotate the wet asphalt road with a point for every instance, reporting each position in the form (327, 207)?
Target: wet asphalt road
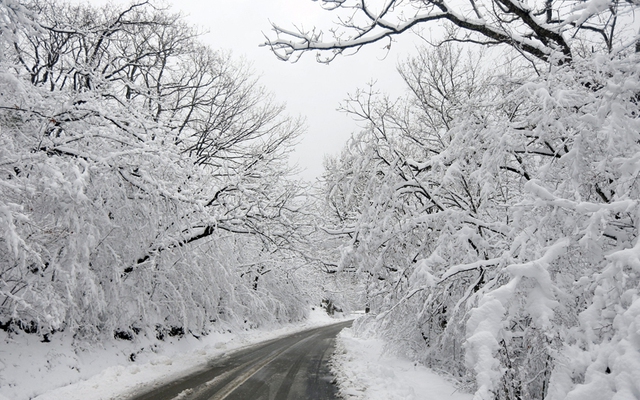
(294, 367)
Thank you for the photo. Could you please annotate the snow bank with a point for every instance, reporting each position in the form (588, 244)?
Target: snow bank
(30, 369)
(364, 371)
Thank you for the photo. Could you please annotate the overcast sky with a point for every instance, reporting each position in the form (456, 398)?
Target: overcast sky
(309, 89)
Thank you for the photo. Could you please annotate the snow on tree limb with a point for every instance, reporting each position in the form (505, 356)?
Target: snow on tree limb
(538, 30)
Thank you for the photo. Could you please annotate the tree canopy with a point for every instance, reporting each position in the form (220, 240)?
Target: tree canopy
(492, 211)
(135, 164)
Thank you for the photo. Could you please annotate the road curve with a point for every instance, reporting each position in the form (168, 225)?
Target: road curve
(291, 367)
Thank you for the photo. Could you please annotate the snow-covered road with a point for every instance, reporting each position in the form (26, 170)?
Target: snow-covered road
(291, 367)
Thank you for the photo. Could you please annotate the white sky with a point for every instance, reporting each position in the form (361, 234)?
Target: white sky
(309, 89)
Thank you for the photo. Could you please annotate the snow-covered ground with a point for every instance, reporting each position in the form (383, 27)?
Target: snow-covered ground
(47, 371)
(365, 372)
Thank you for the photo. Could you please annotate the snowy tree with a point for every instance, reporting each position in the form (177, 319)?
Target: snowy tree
(492, 212)
(144, 178)
(458, 237)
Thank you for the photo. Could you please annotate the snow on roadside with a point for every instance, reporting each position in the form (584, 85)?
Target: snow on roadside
(30, 369)
(365, 372)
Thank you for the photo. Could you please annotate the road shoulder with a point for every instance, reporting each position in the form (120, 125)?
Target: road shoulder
(364, 371)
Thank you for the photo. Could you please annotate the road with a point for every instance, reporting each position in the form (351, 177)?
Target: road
(293, 367)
